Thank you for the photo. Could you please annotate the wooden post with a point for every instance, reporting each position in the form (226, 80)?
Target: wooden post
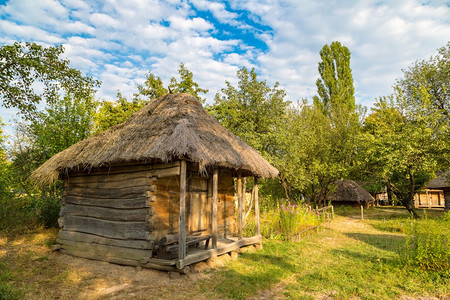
(362, 212)
(255, 187)
(240, 216)
(182, 220)
(214, 209)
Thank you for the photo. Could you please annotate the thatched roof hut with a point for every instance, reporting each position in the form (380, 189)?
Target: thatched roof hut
(151, 190)
(436, 193)
(166, 128)
(351, 193)
(442, 181)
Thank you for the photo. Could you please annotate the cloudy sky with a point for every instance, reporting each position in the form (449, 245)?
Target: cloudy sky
(118, 41)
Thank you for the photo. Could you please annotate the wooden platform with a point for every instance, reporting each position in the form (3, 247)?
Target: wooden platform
(194, 255)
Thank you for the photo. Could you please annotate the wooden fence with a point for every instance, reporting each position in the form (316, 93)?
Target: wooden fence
(327, 213)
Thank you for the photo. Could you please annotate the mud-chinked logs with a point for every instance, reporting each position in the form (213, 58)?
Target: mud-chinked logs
(123, 209)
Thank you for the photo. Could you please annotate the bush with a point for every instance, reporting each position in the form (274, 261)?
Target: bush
(16, 214)
(21, 212)
(427, 244)
(49, 208)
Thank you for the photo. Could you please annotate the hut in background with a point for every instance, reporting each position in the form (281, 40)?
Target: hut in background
(349, 192)
(436, 194)
(157, 190)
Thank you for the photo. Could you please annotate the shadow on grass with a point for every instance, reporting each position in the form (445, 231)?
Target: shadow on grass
(386, 242)
(251, 273)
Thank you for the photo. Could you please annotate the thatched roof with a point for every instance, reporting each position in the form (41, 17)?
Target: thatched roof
(166, 128)
(348, 190)
(440, 182)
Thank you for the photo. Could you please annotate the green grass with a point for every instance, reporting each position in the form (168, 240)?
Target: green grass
(352, 259)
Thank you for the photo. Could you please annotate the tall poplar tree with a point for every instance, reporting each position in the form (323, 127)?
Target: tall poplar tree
(335, 85)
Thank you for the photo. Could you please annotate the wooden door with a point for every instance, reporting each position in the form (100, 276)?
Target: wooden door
(199, 206)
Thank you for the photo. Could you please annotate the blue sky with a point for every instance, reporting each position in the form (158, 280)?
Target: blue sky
(119, 41)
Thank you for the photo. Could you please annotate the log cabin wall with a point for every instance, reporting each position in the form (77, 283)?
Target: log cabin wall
(116, 214)
(109, 213)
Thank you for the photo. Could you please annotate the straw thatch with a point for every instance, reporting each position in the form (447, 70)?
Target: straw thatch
(166, 128)
(440, 182)
(350, 191)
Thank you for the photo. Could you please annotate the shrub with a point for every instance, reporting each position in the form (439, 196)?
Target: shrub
(427, 244)
(49, 208)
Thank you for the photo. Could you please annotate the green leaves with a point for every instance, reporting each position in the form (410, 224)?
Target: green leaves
(253, 111)
(335, 85)
(187, 84)
(113, 113)
(26, 67)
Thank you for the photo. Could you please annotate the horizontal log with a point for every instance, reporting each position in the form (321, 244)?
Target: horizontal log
(105, 251)
(126, 203)
(115, 177)
(89, 238)
(169, 172)
(104, 228)
(168, 239)
(112, 214)
(132, 192)
(128, 168)
(120, 261)
(130, 182)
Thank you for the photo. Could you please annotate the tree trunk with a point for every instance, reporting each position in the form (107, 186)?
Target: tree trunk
(409, 201)
(389, 192)
(286, 188)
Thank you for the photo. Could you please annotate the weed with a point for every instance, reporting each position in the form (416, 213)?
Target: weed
(427, 244)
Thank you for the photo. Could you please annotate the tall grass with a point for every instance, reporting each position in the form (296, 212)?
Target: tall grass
(284, 222)
(19, 213)
(427, 244)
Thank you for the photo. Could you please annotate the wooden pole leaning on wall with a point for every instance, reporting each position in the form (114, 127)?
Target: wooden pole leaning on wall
(214, 208)
(240, 202)
(255, 193)
(182, 220)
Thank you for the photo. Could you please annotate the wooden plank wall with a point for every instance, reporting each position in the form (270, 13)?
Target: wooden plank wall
(109, 214)
(226, 207)
(119, 213)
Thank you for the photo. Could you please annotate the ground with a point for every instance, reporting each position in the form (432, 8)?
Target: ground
(354, 258)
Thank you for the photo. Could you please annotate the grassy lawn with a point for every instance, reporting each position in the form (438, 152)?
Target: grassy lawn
(353, 259)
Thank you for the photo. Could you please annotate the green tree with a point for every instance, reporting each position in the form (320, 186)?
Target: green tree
(22, 66)
(335, 85)
(398, 151)
(4, 166)
(252, 111)
(186, 84)
(113, 113)
(308, 158)
(425, 85)
(152, 88)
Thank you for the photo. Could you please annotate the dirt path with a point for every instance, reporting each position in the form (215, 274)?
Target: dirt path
(40, 274)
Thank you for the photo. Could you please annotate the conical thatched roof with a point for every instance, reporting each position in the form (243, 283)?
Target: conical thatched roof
(440, 182)
(348, 190)
(171, 126)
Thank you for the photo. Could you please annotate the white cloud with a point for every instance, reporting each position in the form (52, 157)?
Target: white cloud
(218, 10)
(28, 32)
(119, 41)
